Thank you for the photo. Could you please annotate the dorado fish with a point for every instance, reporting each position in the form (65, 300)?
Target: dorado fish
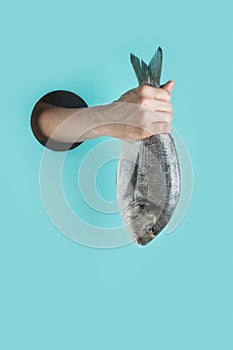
(148, 172)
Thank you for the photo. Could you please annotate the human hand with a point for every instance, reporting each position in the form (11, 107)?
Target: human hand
(138, 123)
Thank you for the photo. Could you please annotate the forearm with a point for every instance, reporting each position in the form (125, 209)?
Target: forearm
(66, 125)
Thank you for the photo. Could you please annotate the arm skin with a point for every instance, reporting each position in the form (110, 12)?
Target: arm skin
(91, 122)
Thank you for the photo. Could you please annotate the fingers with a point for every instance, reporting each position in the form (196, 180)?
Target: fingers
(160, 128)
(152, 92)
(154, 116)
(166, 116)
(148, 92)
(155, 105)
(156, 99)
(169, 86)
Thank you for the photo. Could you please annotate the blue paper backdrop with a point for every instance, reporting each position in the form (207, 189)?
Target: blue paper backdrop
(177, 292)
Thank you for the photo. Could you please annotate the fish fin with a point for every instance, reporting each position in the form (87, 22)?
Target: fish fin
(155, 67)
(133, 179)
(137, 67)
(145, 73)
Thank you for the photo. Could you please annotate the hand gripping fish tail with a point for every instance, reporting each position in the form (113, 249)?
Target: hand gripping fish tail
(148, 172)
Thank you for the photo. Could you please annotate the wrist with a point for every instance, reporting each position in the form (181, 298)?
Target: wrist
(93, 121)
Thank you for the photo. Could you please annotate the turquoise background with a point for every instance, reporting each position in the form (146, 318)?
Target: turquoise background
(177, 292)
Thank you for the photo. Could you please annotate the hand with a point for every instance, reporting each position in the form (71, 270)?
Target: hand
(156, 99)
(138, 123)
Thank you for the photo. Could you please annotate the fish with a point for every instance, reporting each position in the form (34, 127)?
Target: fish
(148, 179)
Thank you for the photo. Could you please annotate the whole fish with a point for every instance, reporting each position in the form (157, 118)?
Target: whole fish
(148, 172)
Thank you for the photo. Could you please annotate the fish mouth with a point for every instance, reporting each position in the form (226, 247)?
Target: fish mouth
(149, 232)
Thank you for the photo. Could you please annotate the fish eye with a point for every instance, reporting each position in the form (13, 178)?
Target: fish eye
(149, 228)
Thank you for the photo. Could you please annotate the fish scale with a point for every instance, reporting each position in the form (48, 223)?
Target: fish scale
(148, 172)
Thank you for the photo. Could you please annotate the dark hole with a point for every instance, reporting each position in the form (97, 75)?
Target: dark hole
(60, 98)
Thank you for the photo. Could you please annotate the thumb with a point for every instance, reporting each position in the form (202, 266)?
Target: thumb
(169, 86)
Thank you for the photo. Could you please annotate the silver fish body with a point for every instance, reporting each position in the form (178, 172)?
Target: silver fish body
(148, 178)
(148, 185)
